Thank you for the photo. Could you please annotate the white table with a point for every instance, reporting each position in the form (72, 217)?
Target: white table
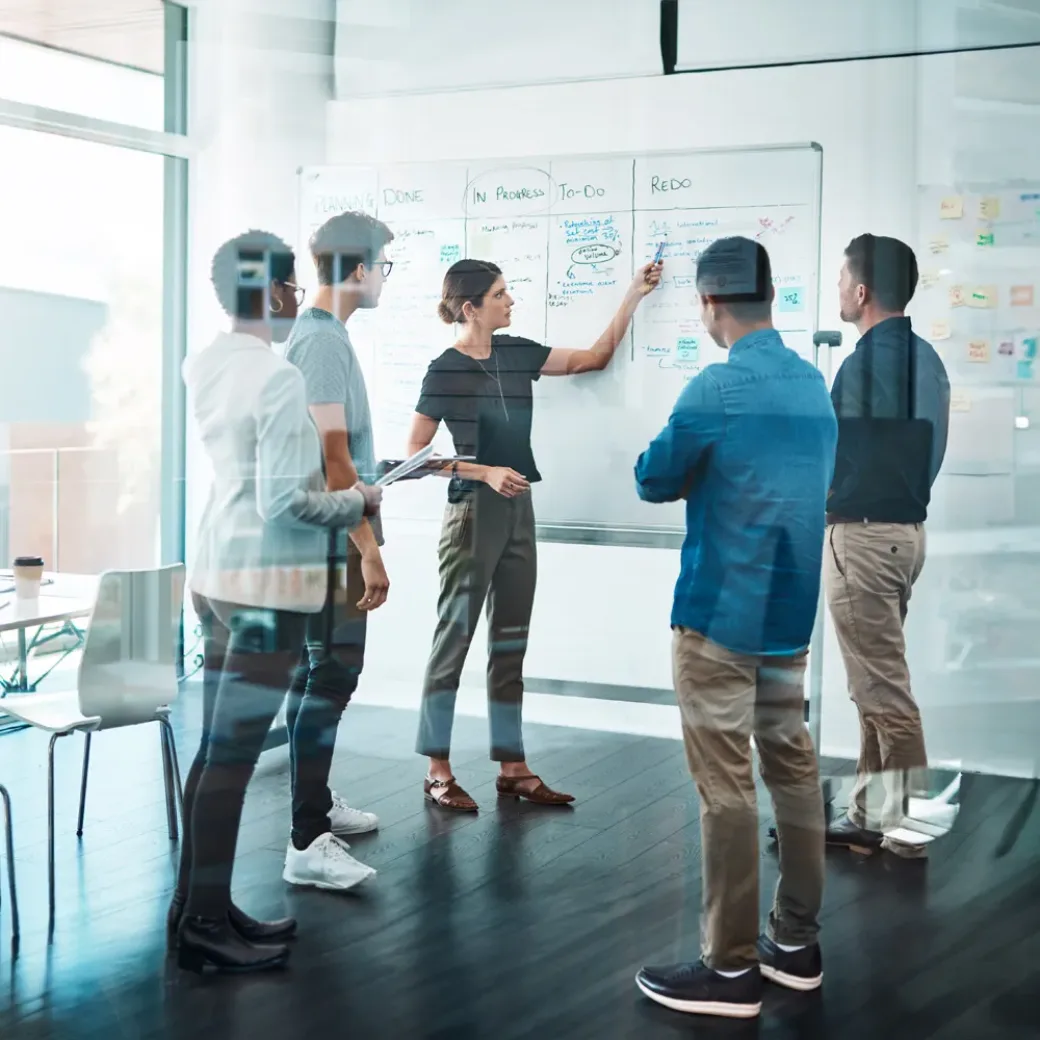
(68, 597)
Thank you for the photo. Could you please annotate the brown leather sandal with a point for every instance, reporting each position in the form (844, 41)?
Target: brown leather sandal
(540, 794)
(448, 795)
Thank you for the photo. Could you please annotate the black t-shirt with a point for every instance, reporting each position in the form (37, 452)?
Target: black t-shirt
(486, 404)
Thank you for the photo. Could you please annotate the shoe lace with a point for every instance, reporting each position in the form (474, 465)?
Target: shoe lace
(340, 804)
(336, 849)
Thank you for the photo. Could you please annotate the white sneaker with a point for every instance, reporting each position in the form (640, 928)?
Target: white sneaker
(345, 820)
(325, 864)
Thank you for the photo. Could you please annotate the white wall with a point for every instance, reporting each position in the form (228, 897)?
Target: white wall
(602, 612)
(406, 46)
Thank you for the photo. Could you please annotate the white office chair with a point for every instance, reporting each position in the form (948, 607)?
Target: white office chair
(127, 676)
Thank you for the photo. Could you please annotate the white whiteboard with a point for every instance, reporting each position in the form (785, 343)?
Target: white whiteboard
(568, 234)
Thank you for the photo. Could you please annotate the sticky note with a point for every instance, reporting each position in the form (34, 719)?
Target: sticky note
(938, 245)
(951, 208)
(451, 254)
(984, 238)
(941, 330)
(687, 349)
(978, 351)
(1006, 348)
(1022, 296)
(1025, 345)
(1024, 370)
(989, 207)
(957, 297)
(928, 279)
(983, 297)
(960, 401)
(791, 299)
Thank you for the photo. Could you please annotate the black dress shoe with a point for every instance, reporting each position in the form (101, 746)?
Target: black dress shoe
(248, 927)
(801, 970)
(203, 944)
(697, 990)
(261, 931)
(843, 831)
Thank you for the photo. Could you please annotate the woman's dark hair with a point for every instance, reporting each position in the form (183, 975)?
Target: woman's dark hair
(244, 266)
(467, 281)
(887, 267)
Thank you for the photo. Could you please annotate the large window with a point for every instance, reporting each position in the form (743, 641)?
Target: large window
(91, 304)
(81, 350)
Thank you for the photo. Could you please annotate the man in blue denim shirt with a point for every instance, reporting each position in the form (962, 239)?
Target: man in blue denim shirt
(750, 446)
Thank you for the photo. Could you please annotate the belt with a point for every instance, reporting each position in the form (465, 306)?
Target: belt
(833, 518)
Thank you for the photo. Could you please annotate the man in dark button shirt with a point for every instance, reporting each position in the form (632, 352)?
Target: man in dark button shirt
(892, 399)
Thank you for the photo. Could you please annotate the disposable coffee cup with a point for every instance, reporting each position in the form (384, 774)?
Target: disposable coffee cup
(28, 574)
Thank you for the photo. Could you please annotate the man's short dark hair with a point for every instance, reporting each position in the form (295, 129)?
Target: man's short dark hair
(887, 267)
(242, 268)
(736, 273)
(344, 241)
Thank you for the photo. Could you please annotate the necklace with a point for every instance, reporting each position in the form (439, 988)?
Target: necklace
(496, 378)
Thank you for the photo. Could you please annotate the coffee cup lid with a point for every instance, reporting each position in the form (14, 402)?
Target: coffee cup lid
(28, 561)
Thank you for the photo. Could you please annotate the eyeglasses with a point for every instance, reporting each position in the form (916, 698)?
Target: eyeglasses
(386, 265)
(298, 291)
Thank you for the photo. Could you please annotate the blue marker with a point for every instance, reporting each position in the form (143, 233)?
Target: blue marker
(659, 254)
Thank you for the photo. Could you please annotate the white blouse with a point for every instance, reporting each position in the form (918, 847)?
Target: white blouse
(262, 540)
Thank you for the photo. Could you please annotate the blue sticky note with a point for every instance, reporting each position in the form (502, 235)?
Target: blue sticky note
(1025, 370)
(792, 299)
(687, 349)
(450, 254)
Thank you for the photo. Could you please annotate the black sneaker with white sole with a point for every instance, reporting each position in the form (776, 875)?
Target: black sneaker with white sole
(801, 970)
(697, 990)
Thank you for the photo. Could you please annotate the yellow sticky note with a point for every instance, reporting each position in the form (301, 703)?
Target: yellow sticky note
(983, 297)
(989, 207)
(957, 296)
(1022, 295)
(941, 330)
(960, 401)
(951, 208)
(928, 279)
(978, 351)
(938, 245)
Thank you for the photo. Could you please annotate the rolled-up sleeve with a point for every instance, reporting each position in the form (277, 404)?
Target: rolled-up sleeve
(665, 471)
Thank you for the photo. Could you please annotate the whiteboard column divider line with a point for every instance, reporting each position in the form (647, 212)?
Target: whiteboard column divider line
(632, 250)
(548, 254)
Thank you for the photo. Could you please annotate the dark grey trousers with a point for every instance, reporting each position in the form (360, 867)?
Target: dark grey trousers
(487, 554)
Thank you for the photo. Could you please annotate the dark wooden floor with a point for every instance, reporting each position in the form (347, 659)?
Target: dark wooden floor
(518, 923)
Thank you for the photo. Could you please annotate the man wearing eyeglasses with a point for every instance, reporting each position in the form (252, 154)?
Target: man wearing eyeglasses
(349, 252)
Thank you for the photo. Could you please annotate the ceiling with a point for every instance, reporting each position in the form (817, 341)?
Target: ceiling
(129, 32)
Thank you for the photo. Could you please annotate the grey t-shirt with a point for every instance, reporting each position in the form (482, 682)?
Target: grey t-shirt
(320, 348)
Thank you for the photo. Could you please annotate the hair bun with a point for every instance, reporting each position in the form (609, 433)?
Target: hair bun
(445, 313)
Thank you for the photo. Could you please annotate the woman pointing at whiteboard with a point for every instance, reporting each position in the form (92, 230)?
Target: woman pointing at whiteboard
(481, 389)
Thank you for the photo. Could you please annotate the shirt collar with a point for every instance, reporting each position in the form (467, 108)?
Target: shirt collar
(898, 327)
(758, 338)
